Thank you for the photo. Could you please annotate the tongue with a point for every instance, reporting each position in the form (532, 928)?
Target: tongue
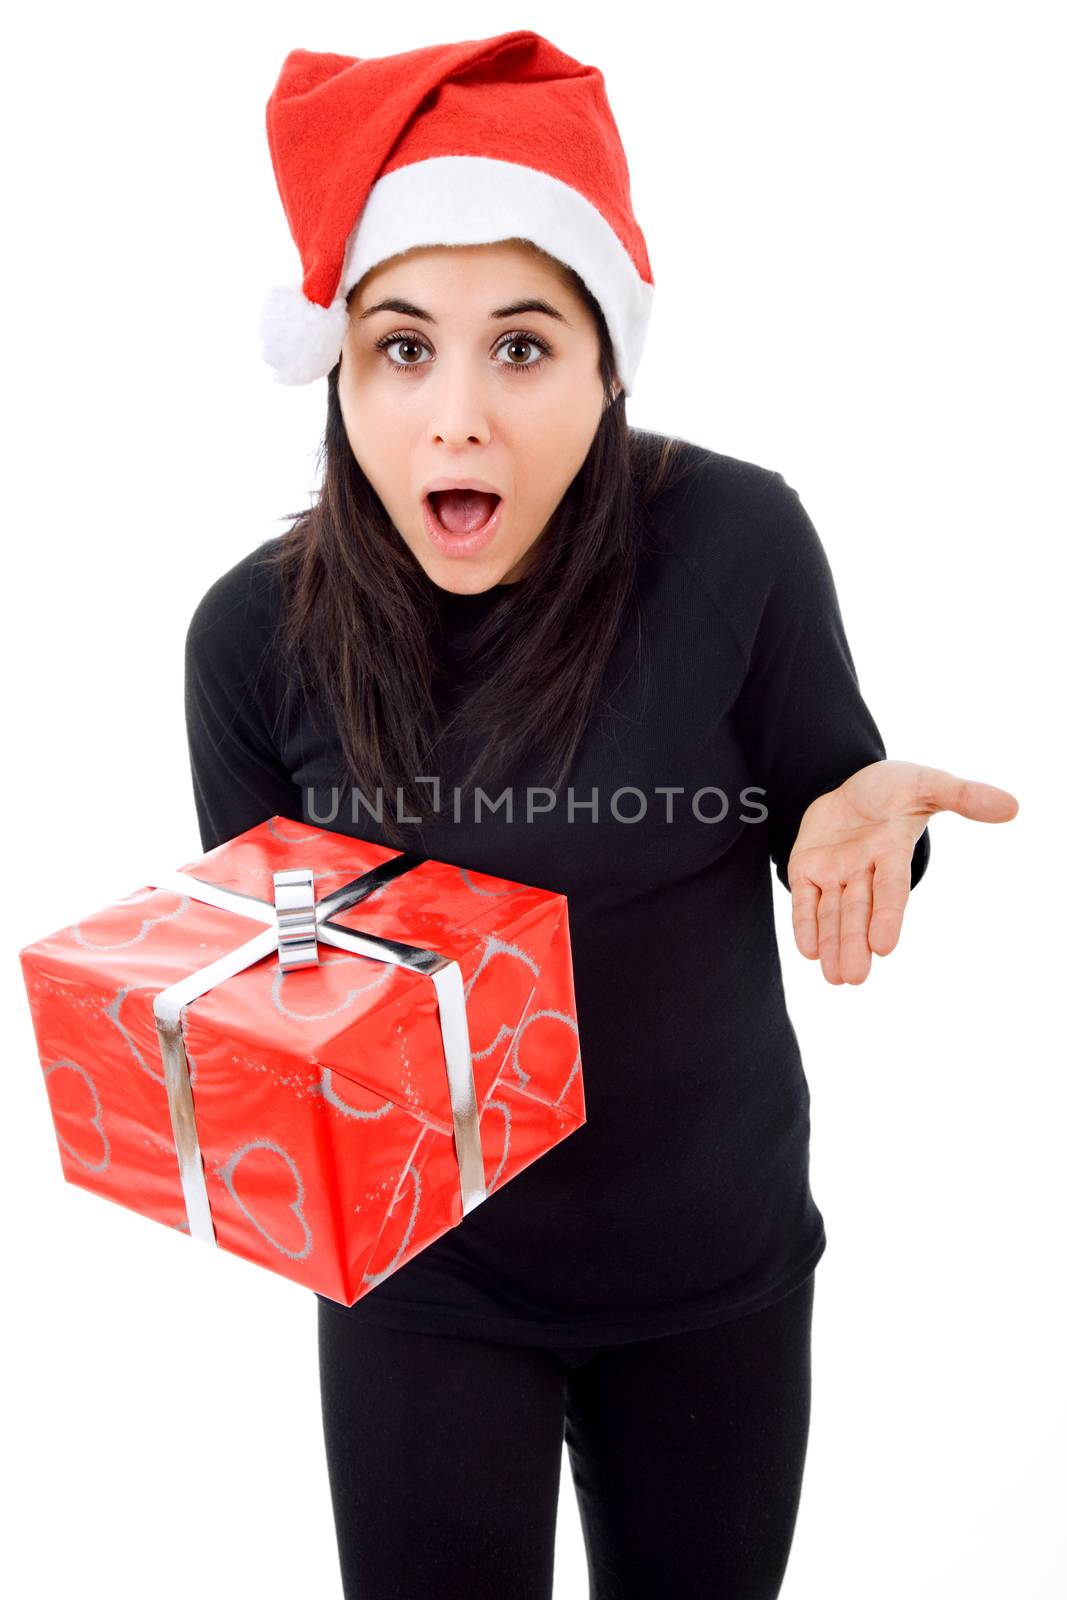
(464, 510)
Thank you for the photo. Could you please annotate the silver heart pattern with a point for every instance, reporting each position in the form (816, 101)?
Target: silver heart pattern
(226, 1173)
(147, 923)
(65, 1064)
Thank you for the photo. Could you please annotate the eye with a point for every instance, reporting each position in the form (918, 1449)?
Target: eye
(406, 340)
(528, 341)
(521, 339)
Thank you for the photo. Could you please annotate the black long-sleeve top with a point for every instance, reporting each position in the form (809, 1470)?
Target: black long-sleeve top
(684, 1200)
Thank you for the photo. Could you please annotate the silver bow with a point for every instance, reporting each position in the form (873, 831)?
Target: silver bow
(295, 924)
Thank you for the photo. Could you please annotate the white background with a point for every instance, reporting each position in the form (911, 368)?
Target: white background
(853, 215)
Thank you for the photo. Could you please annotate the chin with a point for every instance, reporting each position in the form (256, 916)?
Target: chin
(464, 576)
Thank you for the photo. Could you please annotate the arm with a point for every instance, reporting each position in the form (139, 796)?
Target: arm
(800, 716)
(232, 694)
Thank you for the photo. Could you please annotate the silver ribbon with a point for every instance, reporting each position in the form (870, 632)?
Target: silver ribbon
(295, 924)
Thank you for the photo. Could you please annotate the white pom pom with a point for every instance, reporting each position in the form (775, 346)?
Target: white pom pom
(301, 340)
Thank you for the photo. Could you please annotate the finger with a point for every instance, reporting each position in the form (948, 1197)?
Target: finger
(855, 949)
(892, 886)
(980, 802)
(805, 926)
(829, 921)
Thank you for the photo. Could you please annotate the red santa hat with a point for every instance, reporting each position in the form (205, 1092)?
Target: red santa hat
(452, 144)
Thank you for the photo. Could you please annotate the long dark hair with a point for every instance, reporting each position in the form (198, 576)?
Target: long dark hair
(359, 631)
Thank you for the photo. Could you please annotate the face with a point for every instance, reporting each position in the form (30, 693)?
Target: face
(461, 378)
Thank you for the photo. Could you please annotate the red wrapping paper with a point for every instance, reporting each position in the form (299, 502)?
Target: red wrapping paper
(321, 1097)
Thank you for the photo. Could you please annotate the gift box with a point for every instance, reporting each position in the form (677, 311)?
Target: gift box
(310, 1050)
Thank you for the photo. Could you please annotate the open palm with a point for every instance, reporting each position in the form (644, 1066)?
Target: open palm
(850, 866)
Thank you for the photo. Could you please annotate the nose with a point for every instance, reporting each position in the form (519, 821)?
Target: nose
(458, 405)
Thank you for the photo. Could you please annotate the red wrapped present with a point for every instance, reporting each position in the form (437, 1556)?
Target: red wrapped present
(311, 1050)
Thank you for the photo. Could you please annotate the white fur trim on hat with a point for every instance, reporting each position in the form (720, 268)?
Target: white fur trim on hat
(459, 200)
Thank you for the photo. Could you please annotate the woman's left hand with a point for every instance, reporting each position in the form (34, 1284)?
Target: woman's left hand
(850, 866)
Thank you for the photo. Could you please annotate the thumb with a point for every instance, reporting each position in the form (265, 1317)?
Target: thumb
(968, 797)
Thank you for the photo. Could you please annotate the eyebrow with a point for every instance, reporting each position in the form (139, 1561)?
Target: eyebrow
(406, 309)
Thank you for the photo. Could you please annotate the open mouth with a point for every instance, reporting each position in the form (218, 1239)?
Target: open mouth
(462, 512)
(461, 522)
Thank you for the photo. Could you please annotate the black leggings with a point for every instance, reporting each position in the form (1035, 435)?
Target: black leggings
(687, 1454)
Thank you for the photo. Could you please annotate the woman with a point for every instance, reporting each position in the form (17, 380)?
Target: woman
(631, 685)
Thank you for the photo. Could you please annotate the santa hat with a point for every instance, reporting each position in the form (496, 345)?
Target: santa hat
(452, 144)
